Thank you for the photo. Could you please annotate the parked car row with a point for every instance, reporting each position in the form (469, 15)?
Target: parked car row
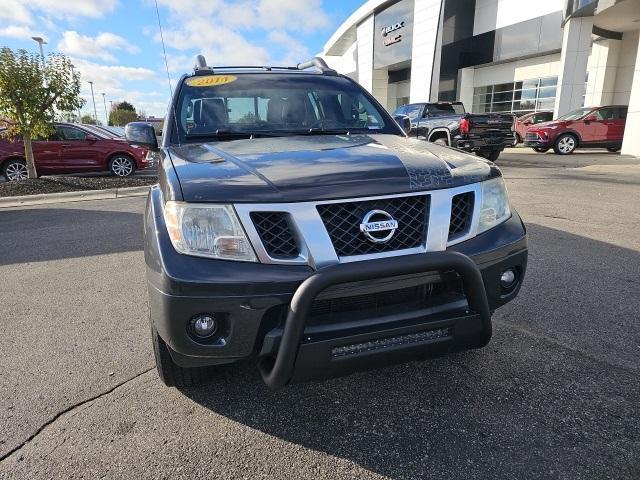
(486, 134)
(75, 148)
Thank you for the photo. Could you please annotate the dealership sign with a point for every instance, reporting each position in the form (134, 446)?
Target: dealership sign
(390, 40)
(393, 31)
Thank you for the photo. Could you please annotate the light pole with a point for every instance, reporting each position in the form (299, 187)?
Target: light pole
(106, 115)
(73, 73)
(41, 42)
(95, 110)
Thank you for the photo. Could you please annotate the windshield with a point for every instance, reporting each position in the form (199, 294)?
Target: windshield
(228, 106)
(445, 109)
(575, 115)
(412, 111)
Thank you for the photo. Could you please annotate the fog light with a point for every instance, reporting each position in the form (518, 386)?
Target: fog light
(508, 278)
(203, 325)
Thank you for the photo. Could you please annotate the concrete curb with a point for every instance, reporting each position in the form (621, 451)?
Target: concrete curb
(79, 196)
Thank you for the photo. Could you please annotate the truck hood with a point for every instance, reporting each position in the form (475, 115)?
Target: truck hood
(319, 167)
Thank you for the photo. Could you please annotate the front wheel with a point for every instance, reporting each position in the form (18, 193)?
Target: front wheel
(15, 170)
(540, 149)
(122, 166)
(441, 141)
(613, 149)
(565, 144)
(172, 374)
(491, 155)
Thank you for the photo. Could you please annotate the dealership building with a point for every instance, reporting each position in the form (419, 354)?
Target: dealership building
(496, 55)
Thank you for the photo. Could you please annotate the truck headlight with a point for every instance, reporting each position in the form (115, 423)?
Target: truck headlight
(494, 208)
(211, 231)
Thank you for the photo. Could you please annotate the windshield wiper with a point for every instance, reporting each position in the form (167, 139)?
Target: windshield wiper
(325, 131)
(229, 134)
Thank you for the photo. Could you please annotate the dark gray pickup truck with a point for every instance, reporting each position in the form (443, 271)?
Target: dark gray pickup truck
(447, 123)
(294, 223)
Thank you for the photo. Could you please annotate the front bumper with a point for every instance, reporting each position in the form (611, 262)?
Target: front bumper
(256, 302)
(537, 141)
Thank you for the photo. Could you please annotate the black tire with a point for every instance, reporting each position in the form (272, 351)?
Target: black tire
(491, 155)
(441, 141)
(541, 149)
(565, 144)
(15, 170)
(614, 149)
(122, 165)
(518, 139)
(172, 374)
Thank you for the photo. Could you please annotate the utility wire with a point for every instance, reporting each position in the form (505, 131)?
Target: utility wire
(164, 50)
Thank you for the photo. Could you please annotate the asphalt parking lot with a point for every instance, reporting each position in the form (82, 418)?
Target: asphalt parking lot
(556, 394)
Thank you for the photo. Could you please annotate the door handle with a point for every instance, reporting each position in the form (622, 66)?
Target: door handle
(66, 144)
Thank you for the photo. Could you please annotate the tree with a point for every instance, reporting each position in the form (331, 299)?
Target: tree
(30, 95)
(122, 117)
(88, 119)
(124, 105)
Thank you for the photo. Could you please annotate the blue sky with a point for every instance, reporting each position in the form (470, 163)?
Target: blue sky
(116, 44)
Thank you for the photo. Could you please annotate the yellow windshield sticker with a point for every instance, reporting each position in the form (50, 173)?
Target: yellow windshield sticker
(211, 80)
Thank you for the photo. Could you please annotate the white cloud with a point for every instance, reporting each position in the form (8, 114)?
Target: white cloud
(297, 15)
(13, 11)
(236, 32)
(304, 15)
(110, 78)
(20, 32)
(296, 51)
(75, 8)
(73, 43)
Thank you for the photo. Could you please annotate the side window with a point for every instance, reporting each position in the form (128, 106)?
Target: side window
(605, 114)
(55, 136)
(621, 113)
(542, 117)
(70, 133)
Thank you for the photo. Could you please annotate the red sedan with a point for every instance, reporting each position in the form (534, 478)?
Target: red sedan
(596, 127)
(73, 149)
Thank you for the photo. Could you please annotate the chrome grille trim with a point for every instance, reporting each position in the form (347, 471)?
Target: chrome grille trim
(316, 248)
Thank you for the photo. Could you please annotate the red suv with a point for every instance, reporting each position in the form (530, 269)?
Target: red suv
(595, 127)
(525, 122)
(73, 149)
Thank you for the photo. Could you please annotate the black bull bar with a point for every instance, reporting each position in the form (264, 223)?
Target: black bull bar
(277, 373)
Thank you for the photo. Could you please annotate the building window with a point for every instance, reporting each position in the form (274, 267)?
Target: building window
(516, 97)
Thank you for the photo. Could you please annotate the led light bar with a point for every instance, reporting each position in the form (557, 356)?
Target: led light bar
(383, 343)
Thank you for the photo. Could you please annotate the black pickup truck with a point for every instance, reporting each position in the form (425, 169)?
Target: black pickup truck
(294, 223)
(447, 123)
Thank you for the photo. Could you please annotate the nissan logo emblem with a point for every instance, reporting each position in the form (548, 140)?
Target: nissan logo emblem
(378, 226)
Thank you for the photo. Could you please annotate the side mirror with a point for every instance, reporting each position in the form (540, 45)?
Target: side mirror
(590, 118)
(528, 122)
(90, 138)
(404, 122)
(141, 134)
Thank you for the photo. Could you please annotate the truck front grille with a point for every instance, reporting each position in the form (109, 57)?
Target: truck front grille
(276, 234)
(461, 214)
(343, 220)
(376, 305)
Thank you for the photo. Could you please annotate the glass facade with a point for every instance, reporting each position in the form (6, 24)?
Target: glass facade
(462, 49)
(516, 97)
